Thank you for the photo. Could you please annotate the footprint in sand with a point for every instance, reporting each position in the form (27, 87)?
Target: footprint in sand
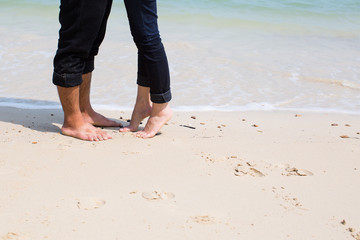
(14, 236)
(214, 158)
(352, 231)
(10, 235)
(203, 219)
(289, 202)
(241, 170)
(156, 196)
(90, 203)
(292, 171)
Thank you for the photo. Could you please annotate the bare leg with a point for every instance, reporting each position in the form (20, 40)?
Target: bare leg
(160, 114)
(87, 111)
(74, 122)
(141, 110)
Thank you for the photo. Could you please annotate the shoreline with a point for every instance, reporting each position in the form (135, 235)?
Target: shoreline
(251, 107)
(208, 175)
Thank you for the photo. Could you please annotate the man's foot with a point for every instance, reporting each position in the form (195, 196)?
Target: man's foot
(85, 131)
(78, 113)
(141, 110)
(160, 114)
(99, 120)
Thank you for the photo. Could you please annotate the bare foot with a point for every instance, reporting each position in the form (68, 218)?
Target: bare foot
(160, 114)
(141, 110)
(86, 131)
(75, 124)
(99, 120)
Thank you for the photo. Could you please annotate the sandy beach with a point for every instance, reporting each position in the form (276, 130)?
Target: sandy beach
(264, 142)
(208, 175)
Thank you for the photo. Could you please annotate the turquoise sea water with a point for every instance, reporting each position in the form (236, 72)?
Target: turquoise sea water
(223, 54)
(333, 17)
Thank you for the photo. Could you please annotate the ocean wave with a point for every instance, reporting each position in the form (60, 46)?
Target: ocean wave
(40, 104)
(338, 82)
(263, 107)
(28, 103)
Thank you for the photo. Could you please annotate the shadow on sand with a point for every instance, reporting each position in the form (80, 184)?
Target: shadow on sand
(42, 116)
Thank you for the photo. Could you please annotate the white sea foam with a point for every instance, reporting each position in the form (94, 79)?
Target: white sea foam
(28, 104)
(43, 105)
(261, 107)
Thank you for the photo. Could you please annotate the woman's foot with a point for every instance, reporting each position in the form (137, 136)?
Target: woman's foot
(141, 110)
(160, 114)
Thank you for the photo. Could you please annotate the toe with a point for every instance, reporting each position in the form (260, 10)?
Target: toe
(106, 136)
(100, 137)
(140, 134)
(125, 129)
(128, 129)
(103, 135)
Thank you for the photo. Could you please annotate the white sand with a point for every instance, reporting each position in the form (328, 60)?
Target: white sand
(202, 183)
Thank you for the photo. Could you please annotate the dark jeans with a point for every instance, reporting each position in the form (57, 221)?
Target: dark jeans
(83, 26)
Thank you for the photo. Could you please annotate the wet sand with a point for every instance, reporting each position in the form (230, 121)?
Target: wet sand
(208, 175)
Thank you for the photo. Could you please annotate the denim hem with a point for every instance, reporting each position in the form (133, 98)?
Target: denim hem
(89, 67)
(161, 97)
(142, 81)
(67, 79)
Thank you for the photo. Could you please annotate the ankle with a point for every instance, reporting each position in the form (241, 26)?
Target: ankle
(161, 110)
(87, 111)
(74, 120)
(159, 107)
(143, 103)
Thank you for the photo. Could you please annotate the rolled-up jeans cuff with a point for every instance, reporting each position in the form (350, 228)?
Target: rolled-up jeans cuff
(89, 66)
(161, 97)
(67, 79)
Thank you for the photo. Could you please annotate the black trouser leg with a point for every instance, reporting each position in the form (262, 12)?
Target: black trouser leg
(83, 25)
(153, 69)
